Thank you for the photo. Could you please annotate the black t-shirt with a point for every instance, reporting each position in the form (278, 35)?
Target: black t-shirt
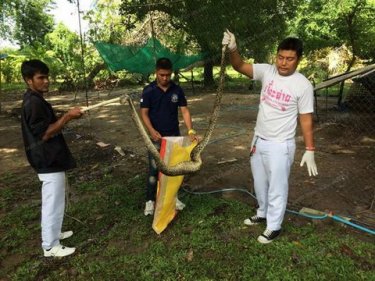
(48, 156)
(163, 107)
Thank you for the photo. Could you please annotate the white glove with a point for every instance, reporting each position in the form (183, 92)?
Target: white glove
(229, 40)
(308, 158)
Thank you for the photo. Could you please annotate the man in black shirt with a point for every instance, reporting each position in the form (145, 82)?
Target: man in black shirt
(48, 153)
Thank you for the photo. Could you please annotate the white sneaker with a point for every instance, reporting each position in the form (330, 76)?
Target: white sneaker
(179, 205)
(149, 208)
(66, 234)
(59, 251)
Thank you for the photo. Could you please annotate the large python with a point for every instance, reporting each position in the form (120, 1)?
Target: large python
(186, 167)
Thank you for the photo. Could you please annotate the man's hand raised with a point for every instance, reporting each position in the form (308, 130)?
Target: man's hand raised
(230, 40)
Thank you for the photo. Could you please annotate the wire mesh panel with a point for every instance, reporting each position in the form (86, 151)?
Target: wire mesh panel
(346, 137)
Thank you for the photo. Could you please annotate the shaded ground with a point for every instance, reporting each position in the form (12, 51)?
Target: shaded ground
(344, 186)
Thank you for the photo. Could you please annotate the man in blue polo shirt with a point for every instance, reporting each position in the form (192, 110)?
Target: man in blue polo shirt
(159, 111)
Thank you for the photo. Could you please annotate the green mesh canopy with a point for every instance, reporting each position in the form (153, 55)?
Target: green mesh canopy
(142, 59)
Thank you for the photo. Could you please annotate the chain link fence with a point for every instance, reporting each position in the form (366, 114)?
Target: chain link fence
(355, 109)
(345, 134)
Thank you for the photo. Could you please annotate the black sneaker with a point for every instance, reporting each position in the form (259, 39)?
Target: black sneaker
(268, 236)
(254, 220)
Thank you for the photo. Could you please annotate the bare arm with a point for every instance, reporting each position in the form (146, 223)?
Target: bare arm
(306, 122)
(155, 135)
(239, 65)
(237, 62)
(189, 124)
(187, 117)
(56, 127)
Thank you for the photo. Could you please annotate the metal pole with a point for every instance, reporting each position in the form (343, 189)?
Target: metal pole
(1, 95)
(82, 54)
(2, 56)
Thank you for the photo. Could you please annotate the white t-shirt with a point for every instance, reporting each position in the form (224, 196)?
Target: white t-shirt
(281, 99)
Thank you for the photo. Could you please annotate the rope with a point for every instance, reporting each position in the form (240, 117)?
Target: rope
(67, 201)
(152, 34)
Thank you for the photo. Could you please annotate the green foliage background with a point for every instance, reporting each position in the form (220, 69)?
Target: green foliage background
(188, 26)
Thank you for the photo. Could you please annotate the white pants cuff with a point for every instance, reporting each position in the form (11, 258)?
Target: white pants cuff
(53, 205)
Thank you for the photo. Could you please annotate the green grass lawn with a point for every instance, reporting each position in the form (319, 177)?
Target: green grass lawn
(206, 241)
(5, 87)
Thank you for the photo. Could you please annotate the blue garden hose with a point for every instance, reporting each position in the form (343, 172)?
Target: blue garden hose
(340, 219)
(318, 217)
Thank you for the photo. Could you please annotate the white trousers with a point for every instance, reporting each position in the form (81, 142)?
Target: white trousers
(270, 166)
(53, 205)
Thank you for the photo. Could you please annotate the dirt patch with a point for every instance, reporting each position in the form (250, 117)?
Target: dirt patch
(345, 158)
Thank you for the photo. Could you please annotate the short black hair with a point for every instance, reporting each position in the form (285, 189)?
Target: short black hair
(291, 43)
(31, 67)
(164, 63)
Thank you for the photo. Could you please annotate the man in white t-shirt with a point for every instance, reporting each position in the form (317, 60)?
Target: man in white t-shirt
(286, 95)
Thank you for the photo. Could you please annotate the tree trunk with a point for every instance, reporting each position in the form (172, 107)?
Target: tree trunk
(208, 74)
(342, 84)
(176, 77)
(90, 78)
(351, 32)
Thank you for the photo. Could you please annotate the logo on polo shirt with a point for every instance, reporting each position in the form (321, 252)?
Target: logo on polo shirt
(174, 98)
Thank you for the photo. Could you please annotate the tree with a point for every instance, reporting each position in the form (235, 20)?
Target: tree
(26, 22)
(105, 24)
(64, 46)
(257, 25)
(334, 23)
(6, 15)
(7, 69)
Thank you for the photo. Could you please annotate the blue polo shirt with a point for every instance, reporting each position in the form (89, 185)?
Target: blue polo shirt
(163, 107)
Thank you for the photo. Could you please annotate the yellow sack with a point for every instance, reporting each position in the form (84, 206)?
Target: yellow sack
(173, 150)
